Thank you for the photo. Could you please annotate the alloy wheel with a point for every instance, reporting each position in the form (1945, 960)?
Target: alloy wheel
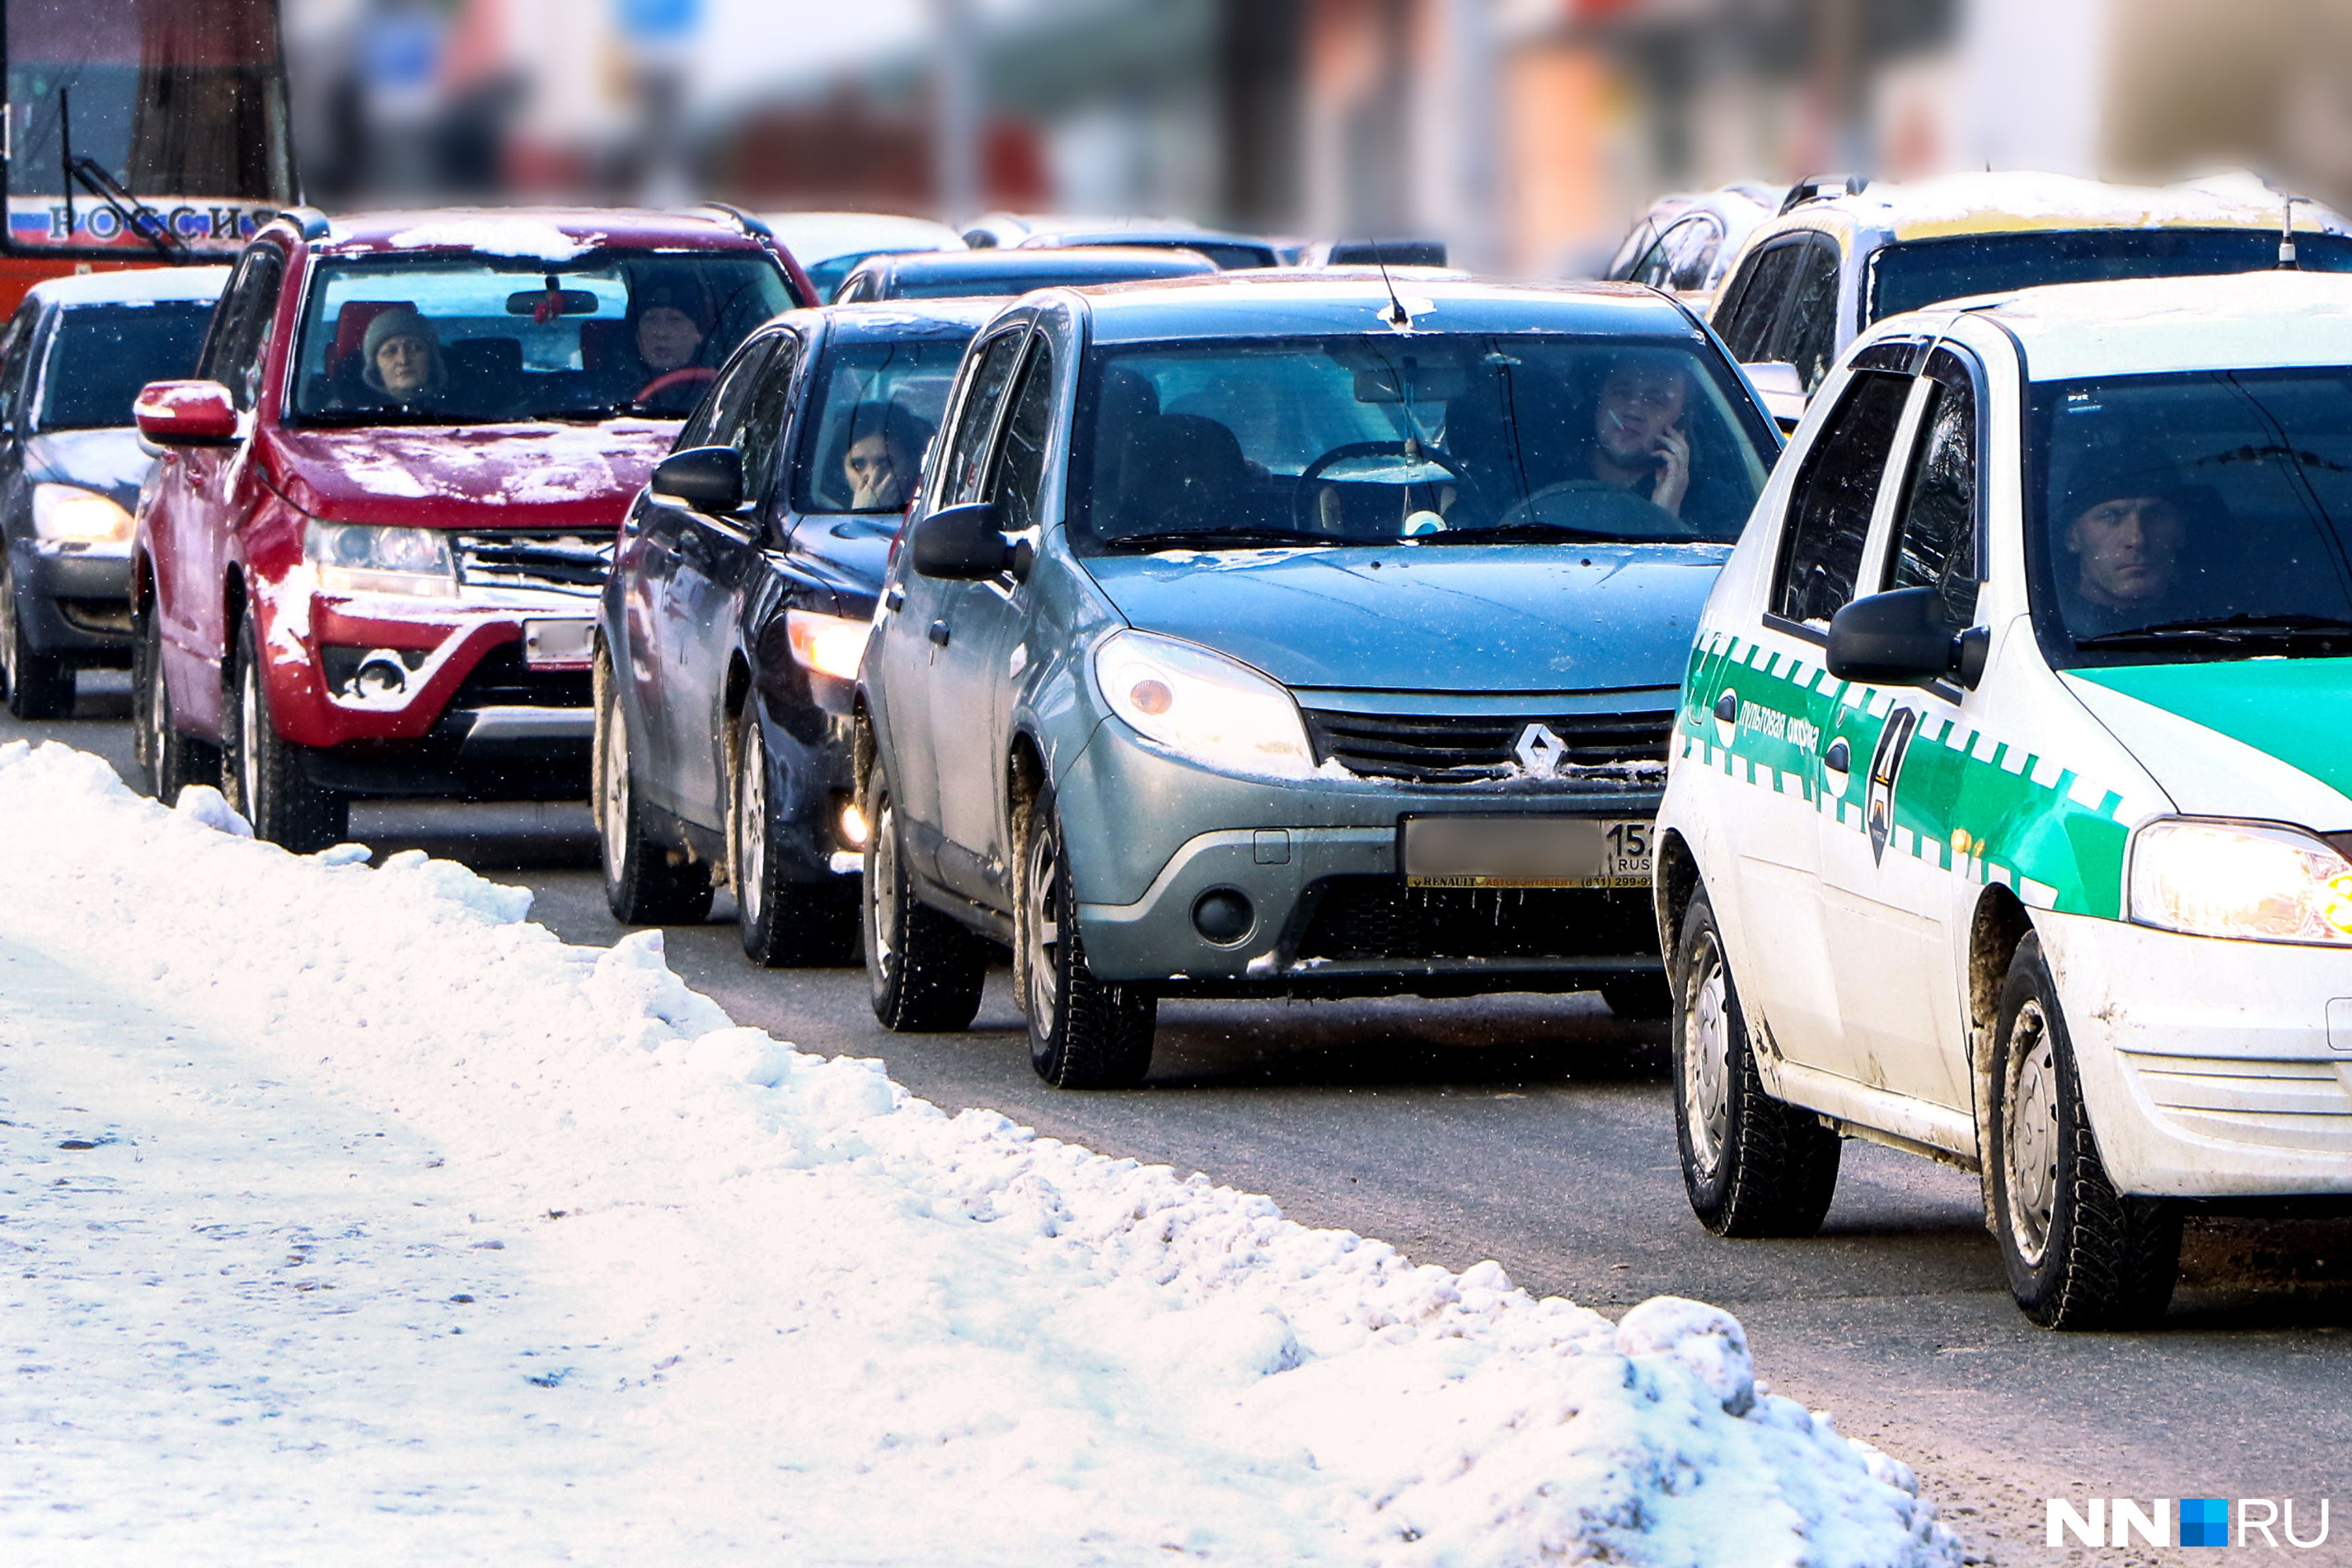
(1041, 891)
(613, 800)
(1707, 1056)
(882, 892)
(2030, 1133)
(8, 626)
(249, 739)
(751, 825)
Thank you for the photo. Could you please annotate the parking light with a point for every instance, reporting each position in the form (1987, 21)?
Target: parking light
(69, 514)
(829, 645)
(2252, 881)
(1189, 699)
(358, 558)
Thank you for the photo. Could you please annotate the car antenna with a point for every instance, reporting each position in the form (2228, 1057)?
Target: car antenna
(2286, 261)
(65, 154)
(1396, 315)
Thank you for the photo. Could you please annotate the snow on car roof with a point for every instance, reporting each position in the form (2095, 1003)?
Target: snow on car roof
(2147, 326)
(1992, 203)
(135, 284)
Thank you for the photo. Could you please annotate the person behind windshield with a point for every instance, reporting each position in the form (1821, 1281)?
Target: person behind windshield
(1639, 443)
(669, 321)
(879, 464)
(2121, 536)
(400, 358)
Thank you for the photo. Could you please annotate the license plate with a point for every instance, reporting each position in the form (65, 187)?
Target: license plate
(559, 645)
(1526, 851)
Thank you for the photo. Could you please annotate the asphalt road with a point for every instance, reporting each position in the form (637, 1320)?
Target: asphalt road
(1536, 1131)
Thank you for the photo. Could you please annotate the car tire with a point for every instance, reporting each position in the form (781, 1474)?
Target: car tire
(40, 686)
(262, 773)
(782, 922)
(1639, 998)
(2079, 1254)
(924, 970)
(1083, 1033)
(645, 882)
(1753, 1165)
(168, 760)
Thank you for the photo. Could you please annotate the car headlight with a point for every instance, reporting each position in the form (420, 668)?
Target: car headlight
(2240, 879)
(826, 644)
(356, 558)
(69, 514)
(1189, 700)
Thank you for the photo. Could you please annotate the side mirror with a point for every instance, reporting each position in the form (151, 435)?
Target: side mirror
(186, 414)
(708, 478)
(1782, 388)
(1901, 638)
(964, 543)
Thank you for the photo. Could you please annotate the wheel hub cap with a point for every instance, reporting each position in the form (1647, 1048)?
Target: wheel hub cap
(1706, 1057)
(752, 827)
(2030, 1137)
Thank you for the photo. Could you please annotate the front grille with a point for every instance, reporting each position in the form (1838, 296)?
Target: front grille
(563, 562)
(503, 680)
(1469, 748)
(1380, 917)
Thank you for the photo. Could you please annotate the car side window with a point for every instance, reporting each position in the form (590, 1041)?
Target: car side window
(1690, 249)
(1752, 303)
(717, 420)
(1936, 531)
(762, 434)
(1830, 504)
(1020, 452)
(16, 359)
(239, 342)
(1808, 337)
(976, 420)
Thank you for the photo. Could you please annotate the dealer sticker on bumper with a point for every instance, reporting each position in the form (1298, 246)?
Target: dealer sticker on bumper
(1525, 851)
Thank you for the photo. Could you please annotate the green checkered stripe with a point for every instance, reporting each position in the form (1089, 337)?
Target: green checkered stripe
(1966, 802)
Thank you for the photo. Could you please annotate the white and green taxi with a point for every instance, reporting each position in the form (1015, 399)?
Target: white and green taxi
(2011, 795)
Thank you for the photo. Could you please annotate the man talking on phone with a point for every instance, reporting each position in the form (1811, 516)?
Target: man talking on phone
(1639, 442)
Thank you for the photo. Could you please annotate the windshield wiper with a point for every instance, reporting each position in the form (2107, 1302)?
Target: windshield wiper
(1513, 533)
(1221, 538)
(2226, 628)
(137, 216)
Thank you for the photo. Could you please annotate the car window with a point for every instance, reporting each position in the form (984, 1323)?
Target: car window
(1922, 272)
(16, 356)
(1020, 452)
(1936, 531)
(238, 341)
(1691, 246)
(1830, 505)
(976, 420)
(717, 419)
(98, 357)
(1753, 304)
(441, 339)
(873, 408)
(1807, 336)
(760, 436)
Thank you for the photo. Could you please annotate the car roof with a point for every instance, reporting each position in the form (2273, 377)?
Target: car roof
(2020, 201)
(1150, 234)
(2150, 325)
(1104, 261)
(133, 284)
(813, 238)
(898, 320)
(1268, 304)
(554, 234)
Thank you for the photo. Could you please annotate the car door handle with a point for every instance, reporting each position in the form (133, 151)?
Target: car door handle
(896, 598)
(940, 633)
(1839, 758)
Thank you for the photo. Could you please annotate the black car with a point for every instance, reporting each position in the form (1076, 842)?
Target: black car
(1001, 274)
(737, 614)
(72, 360)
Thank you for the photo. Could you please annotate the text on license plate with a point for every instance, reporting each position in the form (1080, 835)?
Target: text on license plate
(1525, 851)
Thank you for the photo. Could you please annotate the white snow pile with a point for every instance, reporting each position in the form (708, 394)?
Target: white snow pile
(355, 1214)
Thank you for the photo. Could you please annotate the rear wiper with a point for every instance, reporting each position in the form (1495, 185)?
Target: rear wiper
(2226, 628)
(1221, 538)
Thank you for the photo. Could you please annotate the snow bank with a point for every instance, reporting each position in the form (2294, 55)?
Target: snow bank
(815, 1315)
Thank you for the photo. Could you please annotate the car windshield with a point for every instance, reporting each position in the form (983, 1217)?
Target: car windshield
(100, 355)
(873, 410)
(2202, 516)
(1908, 276)
(1458, 438)
(444, 340)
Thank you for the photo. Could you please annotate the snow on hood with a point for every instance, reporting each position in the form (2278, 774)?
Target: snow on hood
(2256, 738)
(522, 475)
(109, 461)
(1976, 203)
(724, 1299)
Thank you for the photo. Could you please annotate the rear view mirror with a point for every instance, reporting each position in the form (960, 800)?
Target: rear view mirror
(964, 543)
(708, 478)
(186, 414)
(1782, 389)
(544, 303)
(1901, 638)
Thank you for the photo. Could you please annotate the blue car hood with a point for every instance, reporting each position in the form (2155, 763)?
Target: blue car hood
(1469, 618)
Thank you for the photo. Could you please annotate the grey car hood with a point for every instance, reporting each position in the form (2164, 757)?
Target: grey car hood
(110, 461)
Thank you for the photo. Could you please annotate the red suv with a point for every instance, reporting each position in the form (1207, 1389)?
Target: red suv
(369, 560)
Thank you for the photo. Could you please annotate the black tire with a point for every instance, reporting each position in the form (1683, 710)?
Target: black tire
(646, 883)
(781, 921)
(168, 760)
(2079, 1254)
(40, 685)
(923, 970)
(1083, 1033)
(1639, 998)
(262, 773)
(1753, 1165)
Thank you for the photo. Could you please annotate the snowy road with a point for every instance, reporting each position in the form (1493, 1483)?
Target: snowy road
(1535, 1132)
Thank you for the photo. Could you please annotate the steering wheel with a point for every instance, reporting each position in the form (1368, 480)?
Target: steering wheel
(685, 375)
(1610, 509)
(1339, 455)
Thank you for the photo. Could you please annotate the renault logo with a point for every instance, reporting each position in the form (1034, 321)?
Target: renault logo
(1540, 750)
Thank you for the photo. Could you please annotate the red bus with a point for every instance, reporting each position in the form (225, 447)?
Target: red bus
(139, 133)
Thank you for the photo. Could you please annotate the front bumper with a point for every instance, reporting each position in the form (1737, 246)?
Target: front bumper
(74, 603)
(1149, 834)
(2210, 1068)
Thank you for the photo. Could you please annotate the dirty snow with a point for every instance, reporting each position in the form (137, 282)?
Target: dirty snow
(349, 1213)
